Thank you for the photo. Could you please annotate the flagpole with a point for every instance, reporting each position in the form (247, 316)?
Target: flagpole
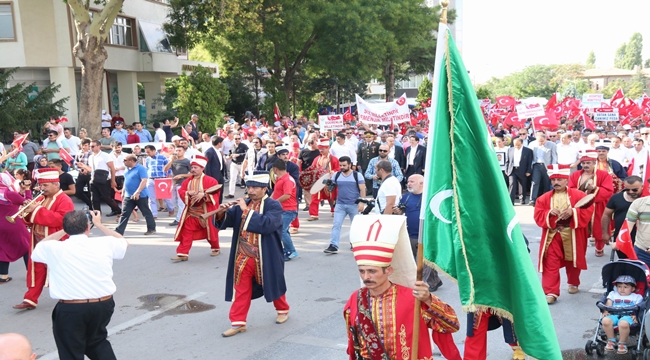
(420, 254)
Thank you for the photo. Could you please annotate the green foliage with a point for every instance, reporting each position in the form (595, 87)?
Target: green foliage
(632, 88)
(19, 112)
(313, 115)
(200, 93)
(537, 81)
(483, 92)
(424, 91)
(241, 97)
(591, 60)
(574, 88)
(646, 64)
(633, 50)
(619, 57)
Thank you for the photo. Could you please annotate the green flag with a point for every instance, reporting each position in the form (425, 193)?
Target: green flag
(471, 230)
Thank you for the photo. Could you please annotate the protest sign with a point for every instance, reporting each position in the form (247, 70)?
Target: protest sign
(394, 112)
(330, 122)
(606, 115)
(591, 101)
(531, 110)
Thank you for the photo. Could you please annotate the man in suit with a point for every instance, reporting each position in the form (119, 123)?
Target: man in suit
(544, 154)
(415, 157)
(367, 150)
(519, 163)
(216, 166)
(396, 152)
(524, 137)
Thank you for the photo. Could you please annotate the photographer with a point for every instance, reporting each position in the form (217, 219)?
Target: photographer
(410, 205)
(351, 186)
(80, 275)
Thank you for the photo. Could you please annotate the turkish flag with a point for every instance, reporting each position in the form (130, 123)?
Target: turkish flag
(588, 121)
(348, 115)
(276, 112)
(185, 134)
(624, 242)
(163, 188)
(18, 142)
(414, 120)
(557, 110)
(625, 121)
(65, 156)
(551, 102)
(548, 121)
(617, 97)
(513, 120)
(645, 104)
(505, 101)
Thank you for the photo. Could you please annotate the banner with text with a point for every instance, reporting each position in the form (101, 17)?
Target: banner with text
(591, 101)
(330, 122)
(395, 112)
(532, 110)
(606, 114)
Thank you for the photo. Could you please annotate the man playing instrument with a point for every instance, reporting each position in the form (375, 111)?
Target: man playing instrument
(613, 167)
(328, 163)
(197, 202)
(46, 217)
(597, 182)
(564, 233)
(380, 316)
(256, 262)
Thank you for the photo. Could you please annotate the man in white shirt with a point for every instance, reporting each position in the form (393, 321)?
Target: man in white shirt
(81, 279)
(501, 152)
(101, 165)
(390, 189)
(73, 141)
(620, 153)
(190, 152)
(106, 119)
(640, 158)
(567, 153)
(118, 163)
(576, 140)
(205, 144)
(160, 133)
(351, 140)
(339, 148)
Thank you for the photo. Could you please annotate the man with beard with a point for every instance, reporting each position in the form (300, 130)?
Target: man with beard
(598, 182)
(617, 207)
(564, 233)
(611, 166)
(371, 173)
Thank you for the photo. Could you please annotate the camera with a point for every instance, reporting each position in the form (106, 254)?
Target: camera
(331, 185)
(401, 207)
(89, 216)
(370, 204)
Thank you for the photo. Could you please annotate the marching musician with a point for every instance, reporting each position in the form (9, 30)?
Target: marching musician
(597, 182)
(197, 202)
(46, 217)
(14, 237)
(613, 167)
(564, 233)
(328, 164)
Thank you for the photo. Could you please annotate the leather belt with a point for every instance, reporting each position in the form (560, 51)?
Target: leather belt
(85, 301)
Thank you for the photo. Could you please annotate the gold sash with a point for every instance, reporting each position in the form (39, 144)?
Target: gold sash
(560, 201)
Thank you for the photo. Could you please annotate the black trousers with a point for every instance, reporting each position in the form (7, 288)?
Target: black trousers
(83, 181)
(128, 204)
(540, 182)
(4, 265)
(80, 329)
(517, 185)
(102, 192)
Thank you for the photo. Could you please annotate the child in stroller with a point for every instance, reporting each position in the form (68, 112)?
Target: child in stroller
(622, 296)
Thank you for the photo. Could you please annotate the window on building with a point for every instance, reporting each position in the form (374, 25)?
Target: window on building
(121, 32)
(155, 37)
(7, 22)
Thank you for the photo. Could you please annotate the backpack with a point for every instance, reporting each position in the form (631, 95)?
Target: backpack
(356, 179)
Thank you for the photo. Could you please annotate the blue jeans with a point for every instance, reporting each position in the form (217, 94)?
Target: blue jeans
(177, 201)
(287, 218)
(340, 212)
(152, 199)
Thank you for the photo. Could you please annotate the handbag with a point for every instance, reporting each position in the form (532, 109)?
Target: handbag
(100, 177)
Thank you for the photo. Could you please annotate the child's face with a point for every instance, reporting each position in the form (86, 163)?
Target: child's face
(625, 289)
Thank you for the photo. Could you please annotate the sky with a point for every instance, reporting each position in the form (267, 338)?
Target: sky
(502, 37)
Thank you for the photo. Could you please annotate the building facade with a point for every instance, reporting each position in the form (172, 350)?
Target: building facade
(38, 37)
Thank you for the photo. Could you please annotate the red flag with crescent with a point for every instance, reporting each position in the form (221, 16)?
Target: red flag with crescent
(18, 142)
(513, 120)
(551, 102)
(624, 242)
(185, 134)
(548, 121)
(163, 188)
(505, 101)
(347, 116)
(65, 156)
(617, 98)
(588, 121)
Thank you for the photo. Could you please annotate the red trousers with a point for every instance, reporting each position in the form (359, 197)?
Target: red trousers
(315, 202)
(552, 263)
(39, 271)
(295, 223)
(476, 346)
(192, 231)
(446, 345)
(243, 293)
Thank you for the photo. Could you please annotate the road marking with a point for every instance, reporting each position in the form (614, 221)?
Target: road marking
(138, 320)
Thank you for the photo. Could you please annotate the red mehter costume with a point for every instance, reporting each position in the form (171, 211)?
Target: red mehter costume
(331, 163)
(604, 189)
(563, 242)
(192, 227)
(46, 219)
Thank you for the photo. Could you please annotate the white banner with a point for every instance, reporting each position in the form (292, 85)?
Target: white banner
(606, 115)
(591, 101)
(525, 111)
(383, 114)
(330, 122)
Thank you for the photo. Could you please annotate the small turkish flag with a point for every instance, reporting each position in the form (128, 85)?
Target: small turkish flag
(617, 98)
(588, 121)
(513, 120)
(163, 188)
(624, 242)
(276, 112)
(348, 115)
(401, 100)
(185, 134)
(505, 101)
(18, 142)
(65, 156)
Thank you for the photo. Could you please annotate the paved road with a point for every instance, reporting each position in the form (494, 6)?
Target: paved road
(169, 310)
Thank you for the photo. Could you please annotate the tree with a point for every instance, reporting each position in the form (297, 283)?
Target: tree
(483, 92)
(200, 93)
(92, 34)
(21, 109)
(591, 60)
(646, 64)
(241, 97)
(537, 81)
(632, 88)
(424, 91)
(620, 56)
(633, 50)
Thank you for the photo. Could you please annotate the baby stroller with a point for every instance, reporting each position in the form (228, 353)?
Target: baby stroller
(640, 272)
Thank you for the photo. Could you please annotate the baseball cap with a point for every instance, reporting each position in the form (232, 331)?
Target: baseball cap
(176, 137)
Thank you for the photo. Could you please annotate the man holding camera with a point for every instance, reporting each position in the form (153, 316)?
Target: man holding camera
(81, 279)
(410, 205)
(351, 186)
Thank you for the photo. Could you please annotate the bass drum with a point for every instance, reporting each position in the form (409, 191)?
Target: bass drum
(308, 178)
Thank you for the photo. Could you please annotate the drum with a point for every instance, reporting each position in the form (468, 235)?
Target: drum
(319, 185)
(586, 201)
(308, 178)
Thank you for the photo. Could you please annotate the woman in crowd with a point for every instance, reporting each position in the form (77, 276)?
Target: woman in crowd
(14, 237)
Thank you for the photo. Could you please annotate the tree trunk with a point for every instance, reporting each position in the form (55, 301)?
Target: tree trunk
(90, 97)
(389, 76)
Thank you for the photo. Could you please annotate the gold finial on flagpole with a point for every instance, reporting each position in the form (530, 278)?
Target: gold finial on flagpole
(443, 16)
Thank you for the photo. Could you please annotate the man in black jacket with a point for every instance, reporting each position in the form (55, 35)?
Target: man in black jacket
(237, 156)
(367, 150)
(519, 163)
(416, 155)
(216, 163)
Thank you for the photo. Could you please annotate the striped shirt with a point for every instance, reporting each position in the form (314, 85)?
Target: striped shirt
(155, 166)
(640, 210)
(371, 171)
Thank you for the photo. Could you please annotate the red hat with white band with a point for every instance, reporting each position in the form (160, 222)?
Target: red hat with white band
(199, 160)
(556, 171)
(47, 175)
(589, 155)
(324, 143)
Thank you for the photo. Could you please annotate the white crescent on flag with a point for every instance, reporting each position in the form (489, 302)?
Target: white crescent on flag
(436, 201)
